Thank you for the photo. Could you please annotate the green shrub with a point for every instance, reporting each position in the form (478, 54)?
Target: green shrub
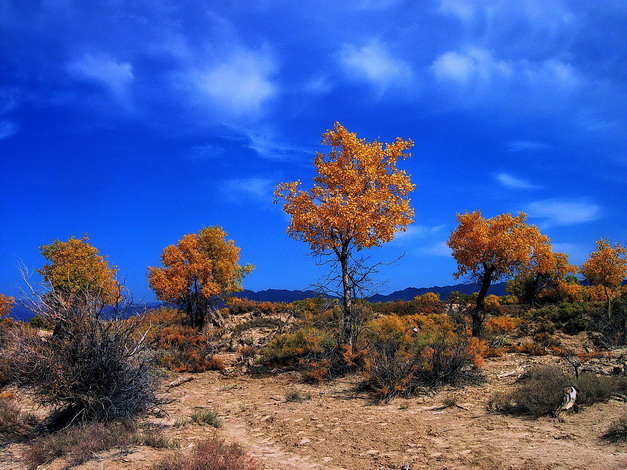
(287, 349)
(205, 416)
(568, 317)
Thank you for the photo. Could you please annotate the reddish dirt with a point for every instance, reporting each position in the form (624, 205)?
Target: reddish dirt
(339, 427)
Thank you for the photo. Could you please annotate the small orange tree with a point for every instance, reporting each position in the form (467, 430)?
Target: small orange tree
(6, 304)
(359, 199)
(78, 279)
(607, 267)
(198, 271)
(493, 249)
(546, 273)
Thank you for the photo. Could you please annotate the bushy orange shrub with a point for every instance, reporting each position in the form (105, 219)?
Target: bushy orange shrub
(497, 328)
(407, 354)
(181, 348)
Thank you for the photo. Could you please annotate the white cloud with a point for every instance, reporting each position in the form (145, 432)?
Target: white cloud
(318, 85)
(7, 129)
(563, 211)
(239, 85)
(526, 146)
(374, 64)
(239, 189)
(474, 66)
(512, 182)
(103, 70)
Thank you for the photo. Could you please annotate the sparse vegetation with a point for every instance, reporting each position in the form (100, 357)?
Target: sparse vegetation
(212, 454)
(617, 432)
(541, 391)
(205, 416)
(296, 396)
(79, 444)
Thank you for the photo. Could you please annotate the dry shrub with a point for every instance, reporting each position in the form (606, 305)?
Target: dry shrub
(617, 432)
(212, 454)
(91, 370)
(182, 348)
(540, 392)
(403, 359)
(13, 423)
(80, 443)
(259, 322)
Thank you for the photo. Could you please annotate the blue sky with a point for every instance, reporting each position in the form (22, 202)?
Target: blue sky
(138, 122)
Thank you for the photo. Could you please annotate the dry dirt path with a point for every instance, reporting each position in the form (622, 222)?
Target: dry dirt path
(339, 427)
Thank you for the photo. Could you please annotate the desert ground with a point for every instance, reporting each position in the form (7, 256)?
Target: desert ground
(335, 425)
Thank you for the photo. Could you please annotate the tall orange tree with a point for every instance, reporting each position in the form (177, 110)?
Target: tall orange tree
(607, 267)
(78, 277)
(359, 199)
(198, 271)
(494, 249)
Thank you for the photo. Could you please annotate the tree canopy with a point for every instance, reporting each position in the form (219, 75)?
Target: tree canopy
(76, 272)
(359, 199)
(606, 267)
(198, 271)
(498, 248)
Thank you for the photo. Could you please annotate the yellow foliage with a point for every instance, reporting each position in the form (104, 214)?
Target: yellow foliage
(607, 266)
(6, 304)
(359, 196)
(75, 267)
(498, 247)
(199, 269)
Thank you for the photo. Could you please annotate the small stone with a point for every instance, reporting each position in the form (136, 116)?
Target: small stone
(304, 441)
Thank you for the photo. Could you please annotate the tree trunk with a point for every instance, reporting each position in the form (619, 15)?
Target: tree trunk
(347, 300)
(478, 313)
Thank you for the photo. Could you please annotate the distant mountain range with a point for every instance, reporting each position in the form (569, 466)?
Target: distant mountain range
(282, 295)
(22, 312)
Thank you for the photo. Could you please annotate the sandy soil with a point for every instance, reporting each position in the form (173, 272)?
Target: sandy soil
(339, 427)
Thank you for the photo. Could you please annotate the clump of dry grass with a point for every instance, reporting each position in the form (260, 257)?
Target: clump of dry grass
(617, 432)
(13, 422)
(79, 444)
(212, 454)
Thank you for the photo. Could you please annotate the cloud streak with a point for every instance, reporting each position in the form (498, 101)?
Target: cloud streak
(106, 71)
(563, 211)
(513, 182)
